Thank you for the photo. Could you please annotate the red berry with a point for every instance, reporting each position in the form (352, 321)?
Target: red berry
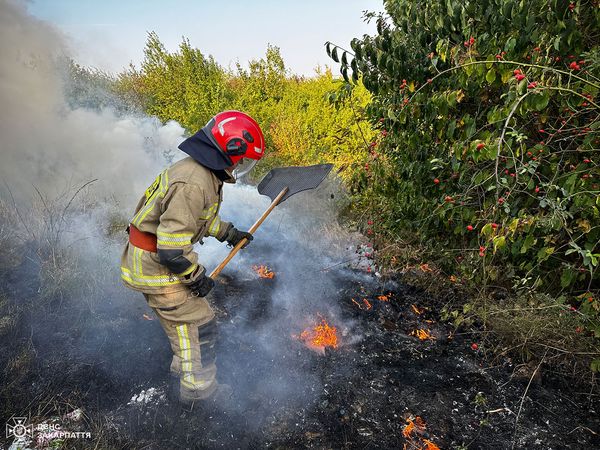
(429, 80)
(494, 225)
(480, 146)
(501, 200)
(470, 227)
(574, 66)
(537, 189)
(571, 6)
(532, 85)
(474, 346)
(369, 222)
(519, 76)
(436, 181)
(587, 161)
(516, 71)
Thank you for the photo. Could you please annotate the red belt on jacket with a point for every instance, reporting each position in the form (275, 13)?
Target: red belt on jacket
(141, 239)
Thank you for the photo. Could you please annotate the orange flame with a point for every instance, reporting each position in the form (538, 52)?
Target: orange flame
(366, 304)
(416, 426)
(430, 445)
(411, 432)
(384, 298)
(320, 336)
(263, 271)
(422, 334)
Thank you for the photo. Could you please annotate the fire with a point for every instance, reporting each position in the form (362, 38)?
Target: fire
(418, 311)
(320, 336)
(413, 426)
(430, 445)
(422, 334)
(413, 431)
(366, 304)
(384, 298)
(263, 271)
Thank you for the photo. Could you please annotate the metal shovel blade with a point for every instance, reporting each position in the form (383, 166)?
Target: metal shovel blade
(296, 179)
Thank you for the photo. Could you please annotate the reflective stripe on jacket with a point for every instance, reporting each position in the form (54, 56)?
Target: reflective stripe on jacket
(180, 207)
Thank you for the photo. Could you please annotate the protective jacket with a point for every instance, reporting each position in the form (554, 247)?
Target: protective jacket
(180, 208)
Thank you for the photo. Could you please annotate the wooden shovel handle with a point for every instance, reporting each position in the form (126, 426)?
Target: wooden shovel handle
(252, 229)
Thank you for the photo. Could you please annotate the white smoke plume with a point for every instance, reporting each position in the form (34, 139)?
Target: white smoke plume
(47, 144)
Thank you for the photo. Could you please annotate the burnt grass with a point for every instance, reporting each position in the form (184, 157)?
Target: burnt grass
(62, 355)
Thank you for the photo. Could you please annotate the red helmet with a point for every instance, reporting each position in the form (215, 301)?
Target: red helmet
(237, 135)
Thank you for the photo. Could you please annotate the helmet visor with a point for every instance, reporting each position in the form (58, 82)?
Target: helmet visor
(244, 166)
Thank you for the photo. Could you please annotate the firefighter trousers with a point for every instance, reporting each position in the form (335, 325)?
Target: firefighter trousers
(189, 323)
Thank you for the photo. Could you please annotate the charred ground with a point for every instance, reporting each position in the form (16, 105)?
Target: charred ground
(60, 354)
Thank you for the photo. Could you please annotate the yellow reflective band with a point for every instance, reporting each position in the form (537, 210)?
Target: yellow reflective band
(148, 280)
(134, 259)
(174, 235)
(208, 213)
(173, 244)
(139, 264)
(188, 271)
(186, 355)
(214, 226)
(151, 201)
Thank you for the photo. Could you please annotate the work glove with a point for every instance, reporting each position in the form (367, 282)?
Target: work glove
(234, 236)
(200, 285)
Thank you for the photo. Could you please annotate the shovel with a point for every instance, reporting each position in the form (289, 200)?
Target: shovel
(279, 185)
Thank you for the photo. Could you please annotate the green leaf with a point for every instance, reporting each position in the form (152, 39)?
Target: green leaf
(540, 101)
(344, 71)
(487, 230)
(499, 243)
(390, 113)
(567, 277)
(529, 241)
(544, 253)
(510, 43)
(334, 55)
(490, 76)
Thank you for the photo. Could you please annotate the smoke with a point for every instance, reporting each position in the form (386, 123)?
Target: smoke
(50, 147)
(53, 147)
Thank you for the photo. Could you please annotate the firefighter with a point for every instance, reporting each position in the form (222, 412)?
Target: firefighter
(178, 210)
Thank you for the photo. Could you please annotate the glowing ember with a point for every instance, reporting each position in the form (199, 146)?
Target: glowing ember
(366, 304)
(425, 268)
(263, 271)
(320, 336)
(422, 335)
(384, 298)
(418, 311)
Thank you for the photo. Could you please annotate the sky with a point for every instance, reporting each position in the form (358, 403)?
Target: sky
(110, 34)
